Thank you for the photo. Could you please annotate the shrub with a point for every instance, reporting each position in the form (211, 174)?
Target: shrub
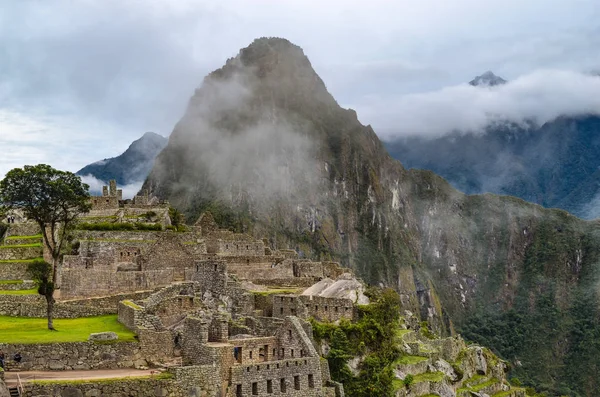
(408, 380)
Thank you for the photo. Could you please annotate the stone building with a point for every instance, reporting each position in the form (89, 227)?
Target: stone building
(110, 198)
(269, 356)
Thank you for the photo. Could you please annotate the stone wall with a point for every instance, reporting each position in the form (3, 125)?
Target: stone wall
(299, 377)
(259, 326)
(8, 252)
(116, 387)
(319, 307)
(23, 229)
(177, 250)
(24, 285)
(198, 378)
(238, 247)
(35, 305)
(74, 356)
(14, 271)
(104, 202)
(211, 276)
(92, 282)
(255, 350)
(157, 346)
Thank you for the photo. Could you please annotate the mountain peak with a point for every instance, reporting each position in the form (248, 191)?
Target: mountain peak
(487, 79)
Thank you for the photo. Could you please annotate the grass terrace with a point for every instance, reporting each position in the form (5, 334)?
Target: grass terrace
(10, 282)
(410, 360)
(35, 237)
(429, 377)
(18, 292)
(34, 330)
(32, 245)
(19, 260)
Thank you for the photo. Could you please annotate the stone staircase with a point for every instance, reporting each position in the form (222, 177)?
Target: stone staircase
(14, 392)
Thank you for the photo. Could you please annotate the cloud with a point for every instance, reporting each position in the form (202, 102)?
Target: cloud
(233, 145)
(106, 71)
(67, 143)
(129, 191)
(538, 97)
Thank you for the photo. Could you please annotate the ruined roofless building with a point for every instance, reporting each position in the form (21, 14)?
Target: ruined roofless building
(110, 197)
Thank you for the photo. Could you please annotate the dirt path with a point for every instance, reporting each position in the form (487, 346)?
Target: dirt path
(28, 376)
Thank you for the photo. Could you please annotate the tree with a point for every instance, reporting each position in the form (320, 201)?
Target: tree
(53, 199)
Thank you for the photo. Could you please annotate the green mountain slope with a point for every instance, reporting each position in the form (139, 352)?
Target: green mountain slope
(267, 149)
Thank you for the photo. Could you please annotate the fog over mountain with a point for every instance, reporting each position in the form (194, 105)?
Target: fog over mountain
(538, 97)
(129, 169)
(537, 138)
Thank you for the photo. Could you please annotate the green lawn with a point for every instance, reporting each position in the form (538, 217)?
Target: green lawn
(34, 330)
(19, 291)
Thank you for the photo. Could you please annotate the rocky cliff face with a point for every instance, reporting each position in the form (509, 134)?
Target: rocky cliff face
(267, 149)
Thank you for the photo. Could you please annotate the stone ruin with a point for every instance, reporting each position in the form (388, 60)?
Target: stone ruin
(121, 262)
(112, 198)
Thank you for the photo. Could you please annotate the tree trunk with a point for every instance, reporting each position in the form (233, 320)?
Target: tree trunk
(50, 311)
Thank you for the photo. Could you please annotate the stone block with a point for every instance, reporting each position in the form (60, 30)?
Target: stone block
(103, 336)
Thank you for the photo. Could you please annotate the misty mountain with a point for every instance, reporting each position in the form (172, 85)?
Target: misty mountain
(488, 79)
(266, 148)
(555, 165)
(132, 166)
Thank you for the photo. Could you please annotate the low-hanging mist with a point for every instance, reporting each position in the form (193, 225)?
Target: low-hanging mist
(538, 97)
(236, 147)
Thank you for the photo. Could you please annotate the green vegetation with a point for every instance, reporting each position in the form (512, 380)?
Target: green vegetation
(375, 337)
(410, 360)
(132, 304)
(10, 282)
(33, 291)
(429, 377)
(107, 226)
(32, 245)
(551, 316)
(33, 330)
(53, 199)
(34, 237)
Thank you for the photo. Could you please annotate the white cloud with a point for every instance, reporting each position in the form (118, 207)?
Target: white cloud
(66, 143)
(131, 66)
(540, 96)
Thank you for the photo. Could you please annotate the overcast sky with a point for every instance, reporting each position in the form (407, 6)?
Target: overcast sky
(80, 80)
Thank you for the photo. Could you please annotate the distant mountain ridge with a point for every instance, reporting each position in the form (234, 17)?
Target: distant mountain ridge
(555, 165)
(133, 165)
